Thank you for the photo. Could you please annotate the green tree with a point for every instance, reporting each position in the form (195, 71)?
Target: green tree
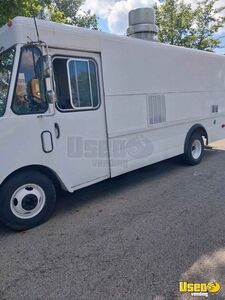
(194, 28)
(62, 11)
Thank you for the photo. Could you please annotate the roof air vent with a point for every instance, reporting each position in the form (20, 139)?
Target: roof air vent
(142, 24)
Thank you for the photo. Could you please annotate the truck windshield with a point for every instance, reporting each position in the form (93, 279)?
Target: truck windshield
(6, 66)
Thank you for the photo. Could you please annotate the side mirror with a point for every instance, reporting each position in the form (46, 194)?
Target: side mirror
(51, 97)
(46, 62)
(49, 91)
(35, 88)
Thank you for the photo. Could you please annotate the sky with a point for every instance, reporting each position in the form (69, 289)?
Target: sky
(113, 14)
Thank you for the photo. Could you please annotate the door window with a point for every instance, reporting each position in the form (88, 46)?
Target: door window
(30, 92)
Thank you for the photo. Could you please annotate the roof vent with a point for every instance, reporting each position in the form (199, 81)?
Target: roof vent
(142, 24)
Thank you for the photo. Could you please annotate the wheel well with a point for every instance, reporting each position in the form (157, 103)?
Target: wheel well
(197, 128)
(42, 169)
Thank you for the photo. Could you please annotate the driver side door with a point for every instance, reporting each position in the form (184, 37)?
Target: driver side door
(29, 129)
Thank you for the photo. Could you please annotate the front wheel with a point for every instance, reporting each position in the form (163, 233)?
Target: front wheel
(194, 150)
(26, 200)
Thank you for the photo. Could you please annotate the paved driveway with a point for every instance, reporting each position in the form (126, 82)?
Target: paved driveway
(133, 237)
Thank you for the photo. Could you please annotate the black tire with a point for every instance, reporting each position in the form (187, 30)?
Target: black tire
(40, 198)
(189, 157)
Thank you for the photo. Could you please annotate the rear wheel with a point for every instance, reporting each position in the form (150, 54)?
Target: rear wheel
(194, 150)
(26, 200)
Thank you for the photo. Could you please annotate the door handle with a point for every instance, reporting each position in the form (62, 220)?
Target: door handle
(57, 131)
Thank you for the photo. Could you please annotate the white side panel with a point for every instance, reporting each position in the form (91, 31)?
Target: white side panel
(126, 113)
(145, 67)
(188, 82)
(133, 151)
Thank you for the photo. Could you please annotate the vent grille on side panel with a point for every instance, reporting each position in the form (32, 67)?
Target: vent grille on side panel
(215, 109)
(156, 109)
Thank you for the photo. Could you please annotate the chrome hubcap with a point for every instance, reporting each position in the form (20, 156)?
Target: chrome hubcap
(196, 149)
(27, 201)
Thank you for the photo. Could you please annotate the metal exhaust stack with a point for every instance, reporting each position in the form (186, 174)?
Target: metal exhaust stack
(142, 24)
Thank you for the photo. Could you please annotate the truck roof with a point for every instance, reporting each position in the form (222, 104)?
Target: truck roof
(64, 36)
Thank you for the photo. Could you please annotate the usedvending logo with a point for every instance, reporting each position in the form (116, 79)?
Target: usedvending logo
(199, 289)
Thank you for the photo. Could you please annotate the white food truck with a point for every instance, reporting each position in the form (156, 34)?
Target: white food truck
(79, 106)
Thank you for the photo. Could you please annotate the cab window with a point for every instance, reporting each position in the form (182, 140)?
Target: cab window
(30, 91)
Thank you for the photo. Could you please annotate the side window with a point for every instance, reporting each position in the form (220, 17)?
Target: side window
(76, 83)
(30, 96)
